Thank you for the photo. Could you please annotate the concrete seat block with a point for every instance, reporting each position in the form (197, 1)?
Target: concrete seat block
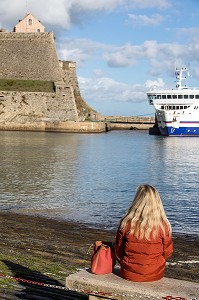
(111, 286)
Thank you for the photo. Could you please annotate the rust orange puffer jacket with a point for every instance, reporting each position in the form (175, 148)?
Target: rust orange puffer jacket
(142, 260)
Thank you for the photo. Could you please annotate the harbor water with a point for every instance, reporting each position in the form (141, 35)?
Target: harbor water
(92, 178)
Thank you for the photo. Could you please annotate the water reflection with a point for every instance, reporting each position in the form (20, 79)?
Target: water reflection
(31, 164)
(92, 178)
(177, 180)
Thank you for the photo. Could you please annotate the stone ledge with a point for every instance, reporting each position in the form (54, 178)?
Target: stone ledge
(111, 286)
(57, 126)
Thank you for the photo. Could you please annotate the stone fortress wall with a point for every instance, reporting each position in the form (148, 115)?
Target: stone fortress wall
(28, 56)
(32, 56)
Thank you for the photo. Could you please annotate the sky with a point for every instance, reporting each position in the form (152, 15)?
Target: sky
(121, 47)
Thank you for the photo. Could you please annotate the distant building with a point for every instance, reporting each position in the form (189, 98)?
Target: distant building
(29, 24)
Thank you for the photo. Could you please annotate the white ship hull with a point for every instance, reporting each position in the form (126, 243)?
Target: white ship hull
(178, 122)
(177, 110)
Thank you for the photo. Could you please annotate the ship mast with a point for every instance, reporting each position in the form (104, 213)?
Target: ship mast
(181, 74)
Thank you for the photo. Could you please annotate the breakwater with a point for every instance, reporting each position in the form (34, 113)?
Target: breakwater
(133, 123)
(130, 123)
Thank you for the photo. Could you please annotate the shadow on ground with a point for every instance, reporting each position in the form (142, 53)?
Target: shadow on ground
(36, 291)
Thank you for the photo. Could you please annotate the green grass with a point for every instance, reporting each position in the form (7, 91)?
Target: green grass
(54, 270)
(26, 85)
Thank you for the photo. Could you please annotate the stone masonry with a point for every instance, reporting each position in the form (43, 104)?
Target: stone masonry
(32, 56)
(29, 56)
(23, 107)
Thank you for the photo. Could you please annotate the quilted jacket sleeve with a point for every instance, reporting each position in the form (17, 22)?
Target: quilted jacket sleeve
(119, 245)
(167, 246)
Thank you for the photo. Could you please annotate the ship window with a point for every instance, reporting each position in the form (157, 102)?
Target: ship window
(166, 107)
(195, 107)
(185, 96)
(179, 96)
(174, 96)
(181, 107)
(163, 96)
(162, 107)
(191, 96)
(177, 107)
(168, 96)
(197, 96)
(158, 96)
(185, 107)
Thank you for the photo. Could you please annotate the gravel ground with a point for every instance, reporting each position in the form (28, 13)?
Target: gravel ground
(46, 251)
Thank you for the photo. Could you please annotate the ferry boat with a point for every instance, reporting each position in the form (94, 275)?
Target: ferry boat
(176, 110)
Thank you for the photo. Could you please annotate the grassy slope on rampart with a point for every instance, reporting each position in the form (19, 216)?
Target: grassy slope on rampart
(26, 85)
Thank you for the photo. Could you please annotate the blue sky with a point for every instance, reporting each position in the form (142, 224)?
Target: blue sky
(121, 47)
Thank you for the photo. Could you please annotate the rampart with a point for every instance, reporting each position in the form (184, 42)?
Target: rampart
(22, 107)
(32, 56)
(29, 56)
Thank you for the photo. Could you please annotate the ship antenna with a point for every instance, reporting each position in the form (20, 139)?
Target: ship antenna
(181, 74)
(178, 74)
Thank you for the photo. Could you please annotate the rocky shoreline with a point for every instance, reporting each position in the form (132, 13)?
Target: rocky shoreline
(46, 250)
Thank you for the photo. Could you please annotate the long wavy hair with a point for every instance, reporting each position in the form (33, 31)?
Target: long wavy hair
(146, 215)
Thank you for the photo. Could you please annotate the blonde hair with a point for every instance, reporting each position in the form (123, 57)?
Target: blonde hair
(146, 215)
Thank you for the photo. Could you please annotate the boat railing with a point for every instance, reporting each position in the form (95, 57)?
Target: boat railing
(166, 90)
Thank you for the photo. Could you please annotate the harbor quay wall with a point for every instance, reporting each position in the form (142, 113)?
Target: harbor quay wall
(130, 126)
(70, 126)
(56, 126)
(82, 127)
(131, 119)
(130, 123)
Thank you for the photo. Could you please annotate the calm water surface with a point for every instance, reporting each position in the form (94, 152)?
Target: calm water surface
(91, 178)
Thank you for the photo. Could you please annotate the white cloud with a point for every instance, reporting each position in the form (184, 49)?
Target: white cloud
(69, 12)
(64, 13)
(159, 83)
(160, 58)
(161, 4)
(80, 50)
(122, 56)
(118, 59)
(59, 13)
(98, 72)
(144, 20)
(191, 33)
(106, 89)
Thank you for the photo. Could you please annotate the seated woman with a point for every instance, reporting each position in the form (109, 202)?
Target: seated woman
(143, 241)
